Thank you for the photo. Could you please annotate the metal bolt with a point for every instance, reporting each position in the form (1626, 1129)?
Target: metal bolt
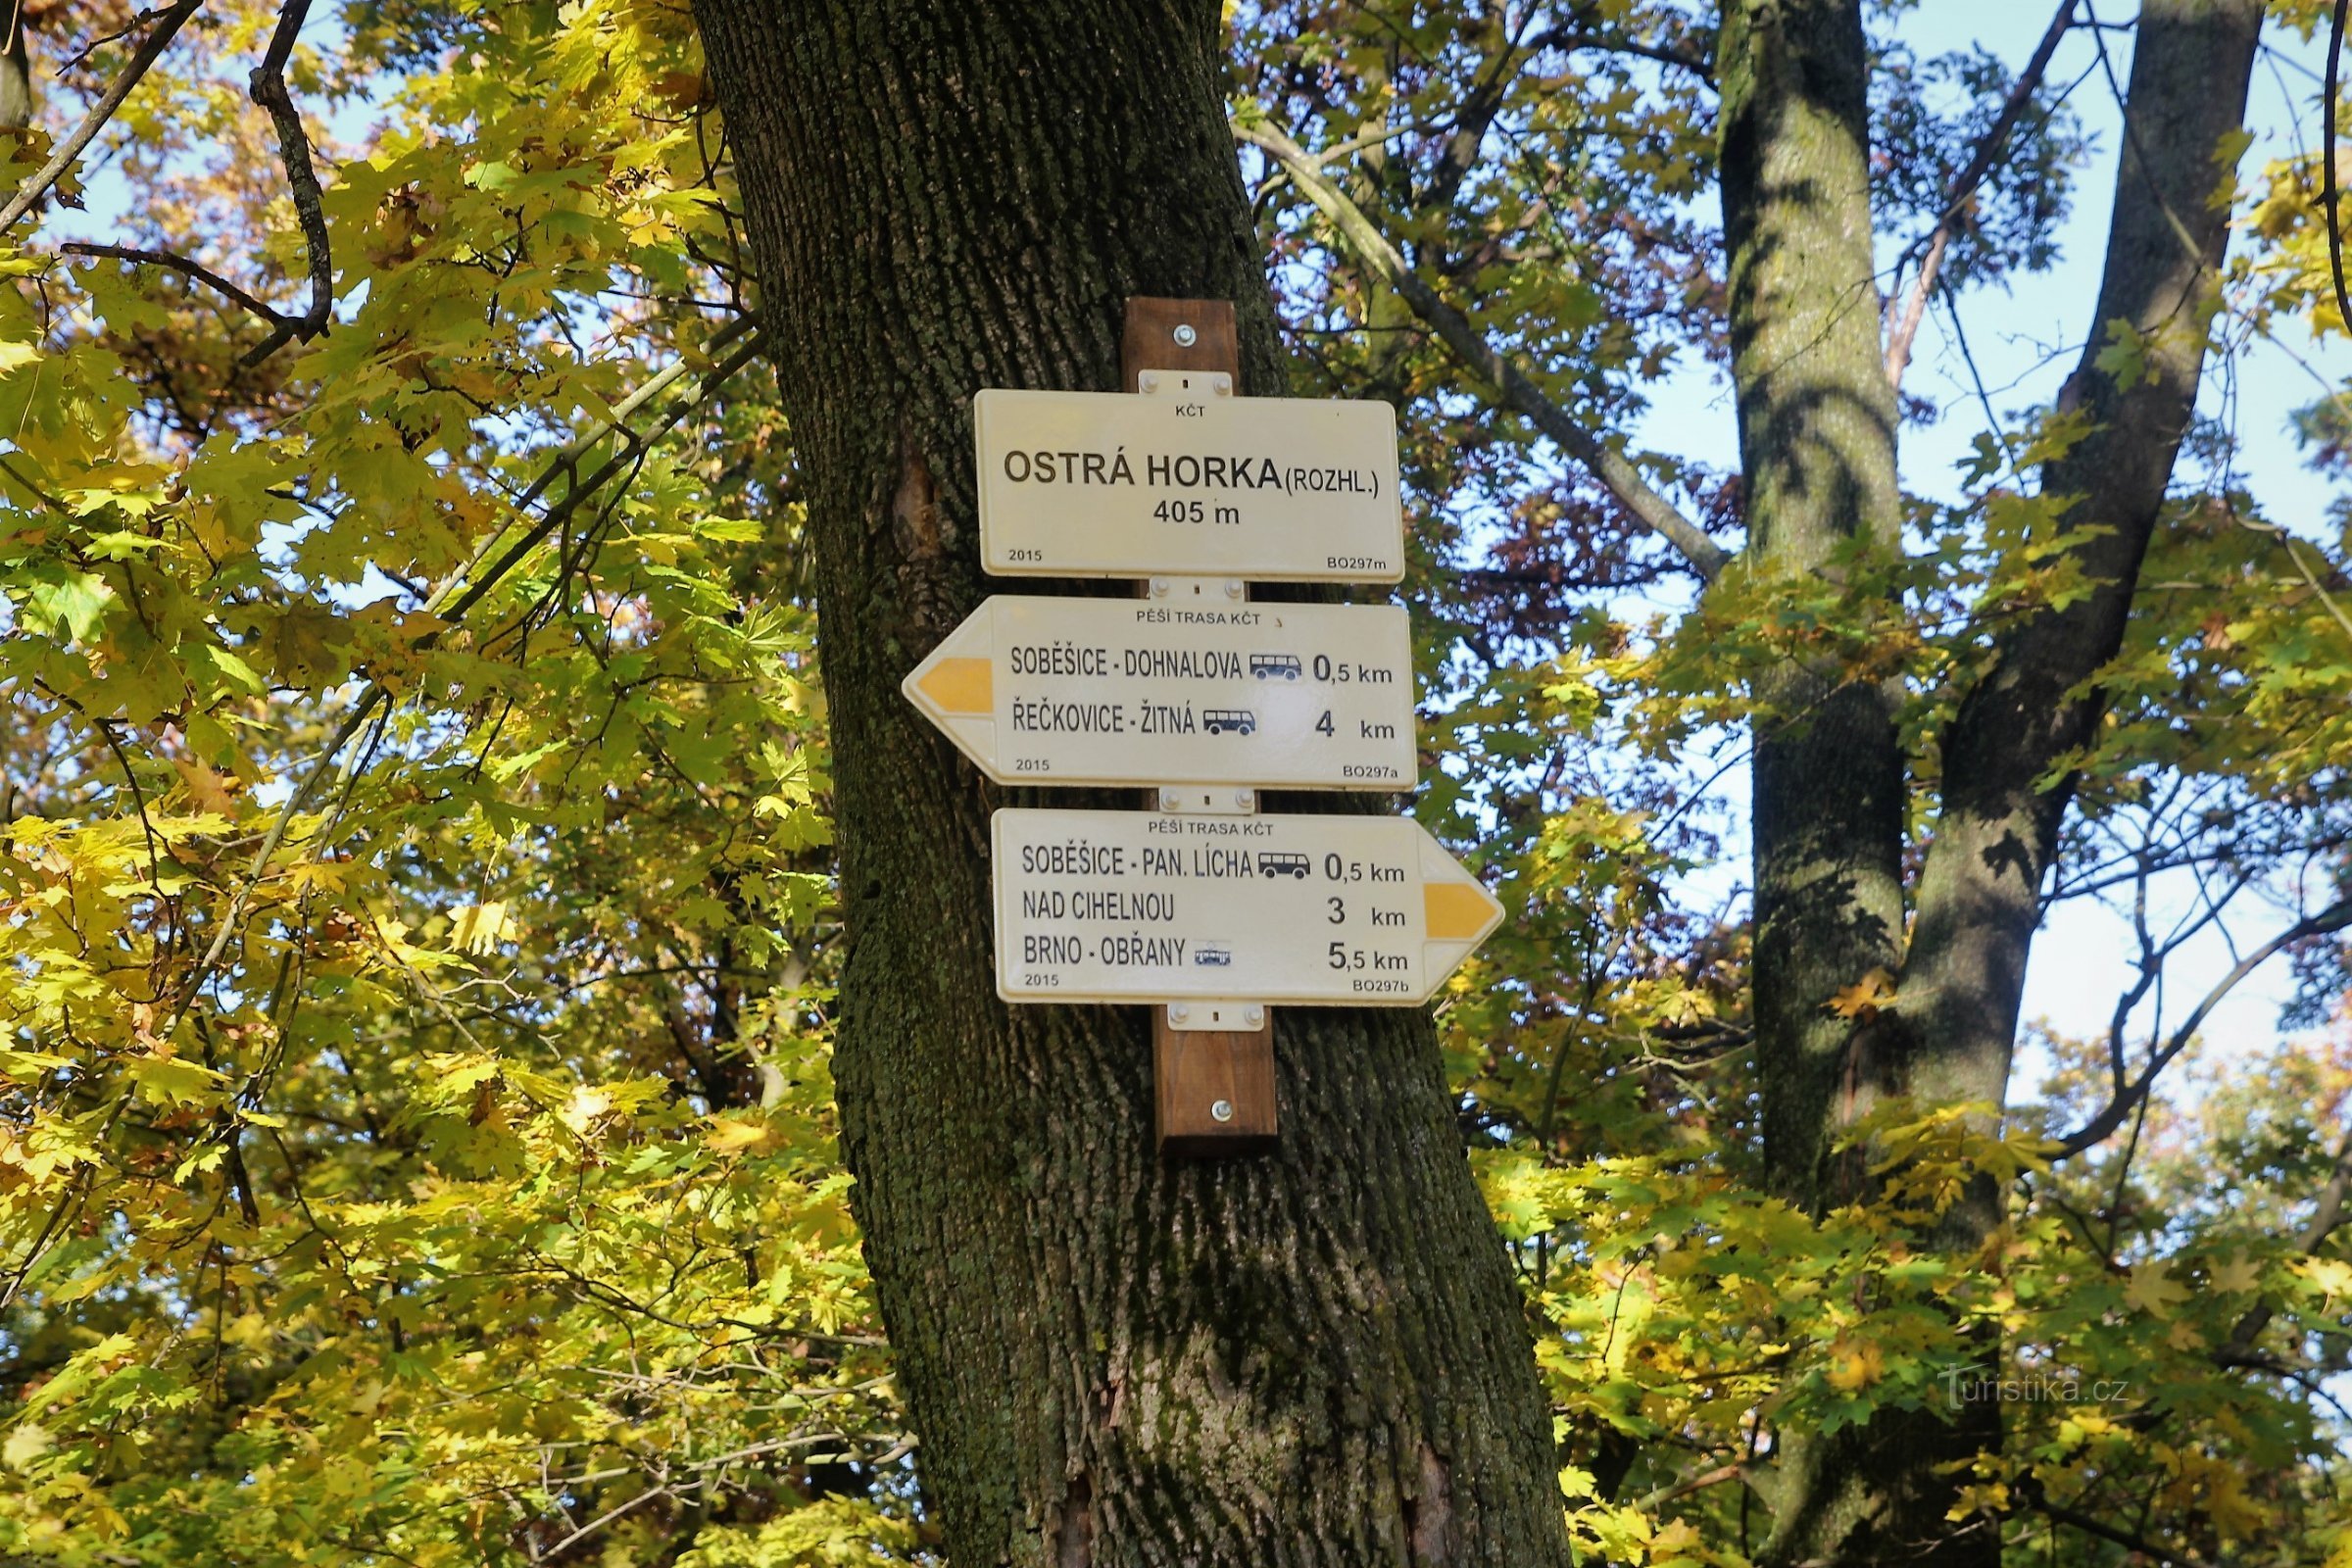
(1240, 796)
(1218, 1109)
(1147, 381)
(1179, 1012)
(1255, 1017)
(1169, 799)
(1186, 337)
(1160, 587)
(1233, 590)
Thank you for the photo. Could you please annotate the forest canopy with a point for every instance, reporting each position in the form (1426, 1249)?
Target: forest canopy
(424, 929)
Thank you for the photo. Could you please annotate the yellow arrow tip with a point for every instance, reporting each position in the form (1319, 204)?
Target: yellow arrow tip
(1456, 911)
(960, 686)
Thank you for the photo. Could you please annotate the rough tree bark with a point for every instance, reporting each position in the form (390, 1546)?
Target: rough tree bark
(1817, 442)
(1316, 1357)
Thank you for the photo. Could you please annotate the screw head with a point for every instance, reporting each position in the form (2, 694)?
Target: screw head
(1186, 337)
(1169, 801)
(1253, 1017)
(1233, 590)
(1160, 587)
(1240, 796)
(1179, 1012)
(1220, 1110)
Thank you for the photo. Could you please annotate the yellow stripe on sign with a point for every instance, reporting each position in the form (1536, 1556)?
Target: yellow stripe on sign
(961, 686)
(1455, 909)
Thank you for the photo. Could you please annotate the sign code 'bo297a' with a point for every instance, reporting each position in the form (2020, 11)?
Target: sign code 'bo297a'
(1131, 691)
(1188, 481)
(1140, 906)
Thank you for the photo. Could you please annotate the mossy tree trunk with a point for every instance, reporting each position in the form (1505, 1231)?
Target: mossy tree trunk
(1316, 1357)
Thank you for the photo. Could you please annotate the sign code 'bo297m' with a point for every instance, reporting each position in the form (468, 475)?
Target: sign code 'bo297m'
(1188, 481)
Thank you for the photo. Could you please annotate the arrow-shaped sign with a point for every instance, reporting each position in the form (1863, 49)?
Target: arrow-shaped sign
(1134, 691)
(1149, 907)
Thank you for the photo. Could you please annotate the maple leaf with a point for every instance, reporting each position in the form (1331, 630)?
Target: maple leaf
(2239, 1276)
(2153, 1289)
(209, 790)
(1866, 997)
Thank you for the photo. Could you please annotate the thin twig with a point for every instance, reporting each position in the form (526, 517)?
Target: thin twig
(182, 266)
(167, 26)
(1611, 468)
(2333, 919)
(1964, 187)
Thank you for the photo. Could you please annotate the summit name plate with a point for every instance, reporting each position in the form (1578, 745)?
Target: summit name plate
(1187, 480)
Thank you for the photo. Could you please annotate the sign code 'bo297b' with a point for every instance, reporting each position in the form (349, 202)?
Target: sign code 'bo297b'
(1134, 691)
(1188, 481)
(1139, 906)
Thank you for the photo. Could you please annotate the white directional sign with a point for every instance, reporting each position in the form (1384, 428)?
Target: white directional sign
(1151, 906)
(1134, 691)
(1188, 481)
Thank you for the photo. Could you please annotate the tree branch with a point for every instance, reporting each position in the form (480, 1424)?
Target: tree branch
(1964, 186)
(268, 86)
(2095, 1131)
(2330, 195)
(2090, 1526)
(2326, 1215)
(1616, 473)
(167, 26)
(182, 266)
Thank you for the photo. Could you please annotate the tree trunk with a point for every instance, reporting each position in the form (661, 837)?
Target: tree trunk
(1816, 435)
(1980, 895)
(1315, 1356)
(1817, 447)
(1817, 431)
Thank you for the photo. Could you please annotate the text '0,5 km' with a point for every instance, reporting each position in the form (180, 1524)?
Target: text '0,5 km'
(1131, 906)
(1187, 480)
(1122, 691)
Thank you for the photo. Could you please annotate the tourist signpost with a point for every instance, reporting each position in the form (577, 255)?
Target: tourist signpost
(1198, 905)
(1140, 691)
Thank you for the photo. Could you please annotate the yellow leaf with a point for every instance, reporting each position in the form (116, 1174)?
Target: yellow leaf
(730, 1135)
(1866, 997)
(208, 789)
(2332, 1277)
(1855, 1364)
(2239, 1276)
(23, 1446)
(480, 927)
(2154, 1291)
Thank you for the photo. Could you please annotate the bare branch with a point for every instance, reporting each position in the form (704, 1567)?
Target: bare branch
(268, 86)
(1964, 187)
(1616, 473)
(182, 266)
(2334, 917)
(167, 26)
